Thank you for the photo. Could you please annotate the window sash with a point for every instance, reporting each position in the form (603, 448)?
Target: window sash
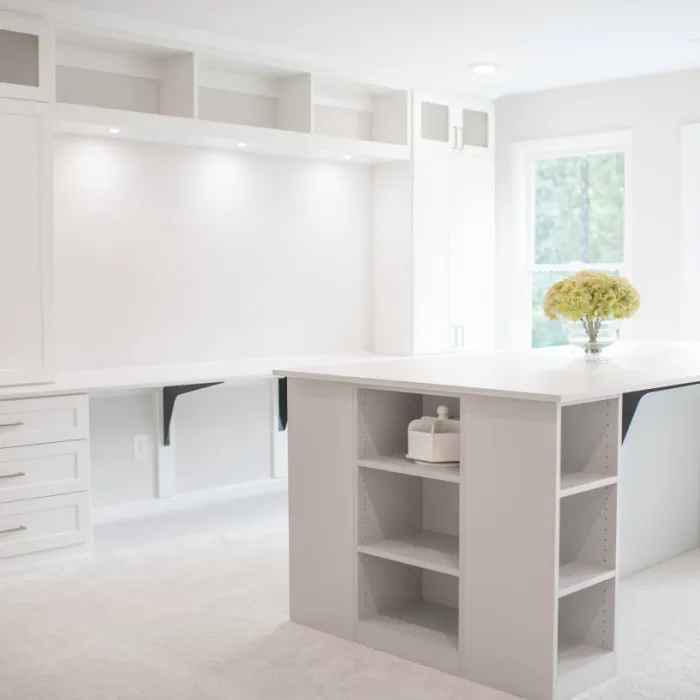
(526, 157)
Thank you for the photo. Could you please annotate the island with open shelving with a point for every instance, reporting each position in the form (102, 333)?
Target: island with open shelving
(503, 570)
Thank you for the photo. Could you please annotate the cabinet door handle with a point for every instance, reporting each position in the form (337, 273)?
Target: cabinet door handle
(20, 528)
(16, 424)
(461, 147)
(12, 476)
(455, 142)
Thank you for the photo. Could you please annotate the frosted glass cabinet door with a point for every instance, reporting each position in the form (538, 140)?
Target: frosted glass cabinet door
(472, 252)
(25, 242)
(474, 120)
(434, 128)
(26, 58)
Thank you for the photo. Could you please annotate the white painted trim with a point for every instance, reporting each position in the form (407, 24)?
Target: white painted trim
(690, 232)
(183, 501)
(525, 154)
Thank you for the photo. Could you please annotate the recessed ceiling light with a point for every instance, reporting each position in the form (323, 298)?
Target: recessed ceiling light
(483, 68)
(242, 145)
(114, 131)
(347, 156)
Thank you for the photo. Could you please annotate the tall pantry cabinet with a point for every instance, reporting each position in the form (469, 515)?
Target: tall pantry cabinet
(434, 233)
(26, 86)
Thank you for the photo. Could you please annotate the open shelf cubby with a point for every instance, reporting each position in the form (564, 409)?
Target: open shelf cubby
(586, 638)
(383, 426)
(587, 540)
(97, 71)
(409, 520)
(408, 611)
(361, 112)
(253, 95)
(590, 439)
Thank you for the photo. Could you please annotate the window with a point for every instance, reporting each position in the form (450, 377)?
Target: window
(574, 213)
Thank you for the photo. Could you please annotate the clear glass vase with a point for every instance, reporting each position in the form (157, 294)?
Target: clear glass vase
(592, 335)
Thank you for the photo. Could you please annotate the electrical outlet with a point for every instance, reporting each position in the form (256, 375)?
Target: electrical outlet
(140, 447)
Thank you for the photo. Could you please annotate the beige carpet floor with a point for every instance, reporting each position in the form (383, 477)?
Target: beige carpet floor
(204, 617)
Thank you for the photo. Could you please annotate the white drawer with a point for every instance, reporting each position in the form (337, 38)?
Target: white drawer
(44, 523)
(48, 419)
(44, 470)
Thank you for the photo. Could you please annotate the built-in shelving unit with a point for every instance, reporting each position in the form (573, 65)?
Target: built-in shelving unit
(158, 93)
(407, 535)
(590, 444)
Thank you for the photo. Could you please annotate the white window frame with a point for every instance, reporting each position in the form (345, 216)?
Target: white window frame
(525, 155)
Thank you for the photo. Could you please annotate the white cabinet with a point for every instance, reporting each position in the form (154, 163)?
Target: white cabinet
(444, 123)
(472, 253)
(453, 249)
(434, 254)
(26, 58)
(25, 242)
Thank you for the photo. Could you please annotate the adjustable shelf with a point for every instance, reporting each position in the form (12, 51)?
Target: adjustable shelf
(580, 482)
(575, 577)
(155, 128)
(428, 550)
(400, 465)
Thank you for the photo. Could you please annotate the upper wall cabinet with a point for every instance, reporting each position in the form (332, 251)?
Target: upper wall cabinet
(443, 123)
(26, 58)
(25, 242)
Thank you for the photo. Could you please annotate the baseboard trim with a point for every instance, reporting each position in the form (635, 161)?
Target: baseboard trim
(183, 501)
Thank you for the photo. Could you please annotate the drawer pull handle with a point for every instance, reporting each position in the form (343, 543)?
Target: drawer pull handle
(12, 476)
(21, 528)
(16, 424)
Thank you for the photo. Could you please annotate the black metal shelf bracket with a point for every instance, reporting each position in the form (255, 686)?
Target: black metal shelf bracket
(630, 402)
(170, 394)
(282, 410)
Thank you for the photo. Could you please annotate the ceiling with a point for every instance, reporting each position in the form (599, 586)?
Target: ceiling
(537, 44)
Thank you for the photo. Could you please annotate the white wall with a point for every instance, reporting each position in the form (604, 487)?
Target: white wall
(654, 108)
(168, 255)
(221, 435)
(116, 476)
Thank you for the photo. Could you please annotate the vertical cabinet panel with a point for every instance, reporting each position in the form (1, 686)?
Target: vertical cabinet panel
(472, 252)
(454, 249)
(26, 58)
(25, 255)
(322, 449)
(432, 211)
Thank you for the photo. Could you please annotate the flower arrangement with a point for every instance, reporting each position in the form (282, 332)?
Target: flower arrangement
(592, 298)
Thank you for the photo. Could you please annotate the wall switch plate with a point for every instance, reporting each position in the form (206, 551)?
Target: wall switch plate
(140, 447)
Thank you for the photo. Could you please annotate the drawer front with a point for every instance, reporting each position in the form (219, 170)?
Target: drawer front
(35, 471)
(44, 523)
(44, 420)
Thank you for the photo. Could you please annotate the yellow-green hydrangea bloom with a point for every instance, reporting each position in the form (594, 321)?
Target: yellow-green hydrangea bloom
(591, 294)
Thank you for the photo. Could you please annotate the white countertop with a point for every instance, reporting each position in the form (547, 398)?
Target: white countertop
(132, 378)
(551, 374)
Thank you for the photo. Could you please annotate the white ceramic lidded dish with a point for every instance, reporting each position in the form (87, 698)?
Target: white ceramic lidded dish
(434, 440)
